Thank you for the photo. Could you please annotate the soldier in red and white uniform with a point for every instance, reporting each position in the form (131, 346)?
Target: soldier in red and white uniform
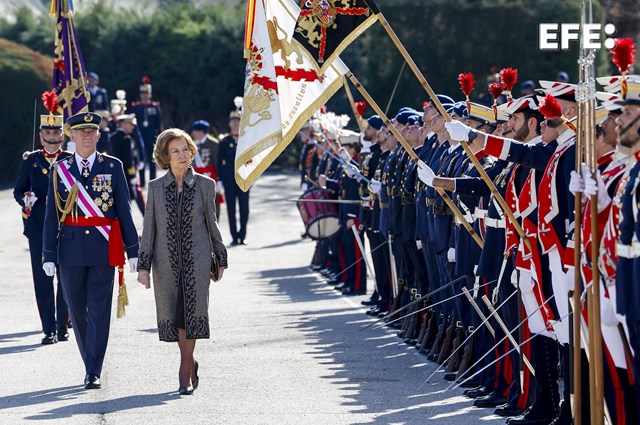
(555, 224)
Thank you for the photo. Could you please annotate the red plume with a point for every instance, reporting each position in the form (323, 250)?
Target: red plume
(50, 101)
(550, 108)
(496, 90)
(361, 107)
(622, 53)
(146, 80)
(509, 76)
(467, 81)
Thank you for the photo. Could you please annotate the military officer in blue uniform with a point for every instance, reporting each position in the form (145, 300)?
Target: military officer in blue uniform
(88, 227)
(628, 247)
(125, 147)
(99, 99)
(233, 193)
(30, 192)
(149, 116)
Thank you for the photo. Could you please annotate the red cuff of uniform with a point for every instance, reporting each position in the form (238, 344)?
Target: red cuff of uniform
(497, 146)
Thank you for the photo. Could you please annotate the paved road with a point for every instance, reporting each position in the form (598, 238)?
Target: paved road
(285, 348)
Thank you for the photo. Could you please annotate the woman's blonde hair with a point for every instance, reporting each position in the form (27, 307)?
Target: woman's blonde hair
(160, 150)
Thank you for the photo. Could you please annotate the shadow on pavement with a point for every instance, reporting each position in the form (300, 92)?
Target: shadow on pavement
(16, 335)
(19, 348)
(106, 406)
(378, 374)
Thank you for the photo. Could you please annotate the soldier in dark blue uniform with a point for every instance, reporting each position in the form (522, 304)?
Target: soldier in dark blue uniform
(370, 211)
(99, 98)
(628, 248)
(88, 227)
(124, 146)
(30, 192)
(233, 193)
(149, 116)
(347, 186)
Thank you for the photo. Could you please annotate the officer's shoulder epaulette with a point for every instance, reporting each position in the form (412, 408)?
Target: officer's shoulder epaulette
(28, 154)
(212, 138)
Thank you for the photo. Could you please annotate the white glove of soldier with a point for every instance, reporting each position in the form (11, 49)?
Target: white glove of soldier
(608, 313)
(375, 186)
(344, 155)
(49, 268)
(576, 184)
(351, 170)
(304, 187)
(591, 187)
(419, 244)
(219, 187)
(133, 264)
(141, 165)
(29, 199)
(457, 130)
(425, 173)
(451, 255)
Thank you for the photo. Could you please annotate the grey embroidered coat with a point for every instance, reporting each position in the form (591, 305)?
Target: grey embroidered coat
(180, 233)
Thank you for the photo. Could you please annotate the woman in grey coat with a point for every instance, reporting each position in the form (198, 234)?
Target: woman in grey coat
(179, 237)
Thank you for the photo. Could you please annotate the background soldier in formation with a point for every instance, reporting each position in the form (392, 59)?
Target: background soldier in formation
(30, 192)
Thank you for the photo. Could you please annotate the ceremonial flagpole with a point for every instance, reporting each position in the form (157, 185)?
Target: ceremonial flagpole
(353, 104)
(415, 158)
(436, 102)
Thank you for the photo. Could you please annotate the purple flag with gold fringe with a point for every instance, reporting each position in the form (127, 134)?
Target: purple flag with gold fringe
(69, 74)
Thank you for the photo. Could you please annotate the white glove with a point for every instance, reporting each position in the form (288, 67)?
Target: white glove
(141, 165)
(419, 245)
(344, 155)
(451, 255)
(375, 186)
(49, 269)
(219, 187)
(576, 184)
(608, 313)
(133, 264)
(304, 187)
(133, 182)
(592, 187)
(425, 173)
(29, 199)
(351, 170)
(457, 130)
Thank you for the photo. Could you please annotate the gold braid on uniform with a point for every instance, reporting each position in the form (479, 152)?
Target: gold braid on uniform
(70, 202)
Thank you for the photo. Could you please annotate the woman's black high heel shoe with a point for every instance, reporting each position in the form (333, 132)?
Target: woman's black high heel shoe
(196, 381)
(186, 390)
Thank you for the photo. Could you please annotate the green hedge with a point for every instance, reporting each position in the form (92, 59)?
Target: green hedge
(24, 75)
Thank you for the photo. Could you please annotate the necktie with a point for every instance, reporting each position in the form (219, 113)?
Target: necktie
(85, 168)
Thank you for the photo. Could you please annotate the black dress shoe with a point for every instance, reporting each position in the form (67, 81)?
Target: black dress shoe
(530, 417)
(373, 312)
(234, 243)
(92, 382)
(185, 390)
(241, 242)
(450, 376)
(369, 302)
(476, 392)
(350, 292)
(506, 410)
(492, 400)
(49, 338)
(471, 383)
(63, 335)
